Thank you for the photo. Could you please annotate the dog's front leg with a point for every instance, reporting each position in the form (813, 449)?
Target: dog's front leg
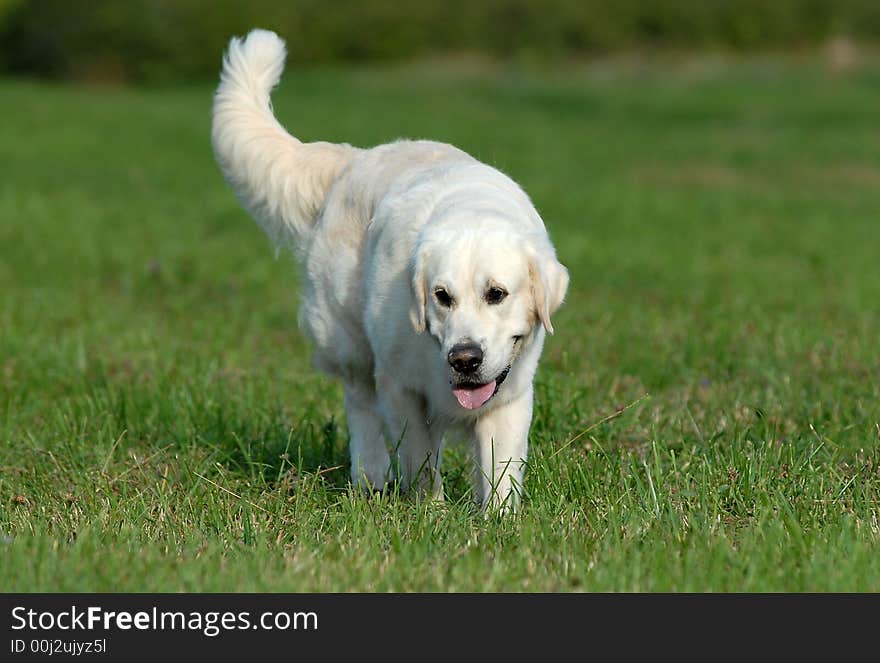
(502, 440)
(370, 462)
(417, 444)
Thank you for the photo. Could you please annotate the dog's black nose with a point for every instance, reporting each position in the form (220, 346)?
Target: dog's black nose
(465, 357)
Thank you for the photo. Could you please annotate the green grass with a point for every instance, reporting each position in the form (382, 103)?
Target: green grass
(162, 429)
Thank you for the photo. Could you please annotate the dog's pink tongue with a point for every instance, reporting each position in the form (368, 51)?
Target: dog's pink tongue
(474, 398)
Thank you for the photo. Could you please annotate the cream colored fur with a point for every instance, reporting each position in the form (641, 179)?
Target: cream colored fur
(378, 232)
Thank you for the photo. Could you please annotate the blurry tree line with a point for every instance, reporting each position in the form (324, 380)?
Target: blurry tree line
(165, 40)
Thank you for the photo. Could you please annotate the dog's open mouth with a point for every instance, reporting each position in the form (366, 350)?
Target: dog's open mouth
(471, 395)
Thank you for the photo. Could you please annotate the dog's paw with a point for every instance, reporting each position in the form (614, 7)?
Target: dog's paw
(370, 477)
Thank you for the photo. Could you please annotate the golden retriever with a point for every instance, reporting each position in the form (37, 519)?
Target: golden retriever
(429, 281)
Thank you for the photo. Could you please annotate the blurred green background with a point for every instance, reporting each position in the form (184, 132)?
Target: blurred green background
(172, 40)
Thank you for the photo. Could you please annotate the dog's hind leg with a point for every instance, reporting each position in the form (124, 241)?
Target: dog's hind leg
(370, 462)
(417, 444)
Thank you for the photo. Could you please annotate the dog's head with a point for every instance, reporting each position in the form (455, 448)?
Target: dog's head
(484, 291)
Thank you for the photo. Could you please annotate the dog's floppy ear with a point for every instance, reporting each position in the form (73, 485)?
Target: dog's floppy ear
(549, 282)
(417, 312)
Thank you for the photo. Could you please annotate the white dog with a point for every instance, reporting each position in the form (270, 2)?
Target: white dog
(429, 281)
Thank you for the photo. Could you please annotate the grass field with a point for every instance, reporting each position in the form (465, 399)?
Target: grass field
(162, 430)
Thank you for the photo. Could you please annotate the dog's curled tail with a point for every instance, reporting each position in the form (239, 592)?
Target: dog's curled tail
(281, 181)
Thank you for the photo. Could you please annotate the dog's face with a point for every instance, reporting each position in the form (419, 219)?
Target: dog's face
(482, 294)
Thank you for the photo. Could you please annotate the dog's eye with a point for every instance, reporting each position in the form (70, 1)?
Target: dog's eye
(443, 297)
(495, 295)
